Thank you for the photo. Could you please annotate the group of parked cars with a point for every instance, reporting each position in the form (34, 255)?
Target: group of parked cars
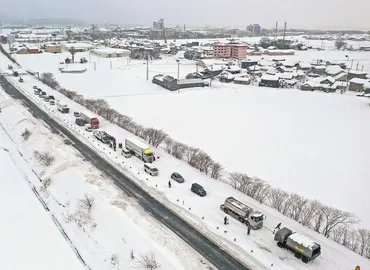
(42, 94)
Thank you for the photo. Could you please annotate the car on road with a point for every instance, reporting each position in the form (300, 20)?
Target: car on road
(198, 189)
(80, 122)
(43, 94)
(52, 102)
(88, 128)
(46, 98)
(37, 91)
(34, 87)
(52, 97)
(76, 114)
(126, 153)
(151, 169)
(177, 177)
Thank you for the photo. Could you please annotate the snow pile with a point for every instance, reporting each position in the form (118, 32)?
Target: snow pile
(303, 240)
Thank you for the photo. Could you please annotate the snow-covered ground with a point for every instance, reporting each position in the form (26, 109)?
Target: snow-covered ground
(258, 249)
(114, 234)
(29, 237)
(291, 139)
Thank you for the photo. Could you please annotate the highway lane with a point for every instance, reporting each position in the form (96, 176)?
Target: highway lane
(198, 241)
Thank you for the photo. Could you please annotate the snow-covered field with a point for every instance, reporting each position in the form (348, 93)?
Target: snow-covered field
(301, 142)
(29, 237)
(114, 234)
(258, 249)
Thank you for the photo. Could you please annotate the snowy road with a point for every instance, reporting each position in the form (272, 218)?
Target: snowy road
(204, 246)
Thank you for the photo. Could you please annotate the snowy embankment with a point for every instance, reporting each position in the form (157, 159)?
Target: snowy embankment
(205, 211)
(105, 227)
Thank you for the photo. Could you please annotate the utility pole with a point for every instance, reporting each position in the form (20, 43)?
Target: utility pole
(147, 67)
(362, 68)
(178, 69)
(284, 31)
(196, 65)
(357, 65)
(276, 30)
(351, 63)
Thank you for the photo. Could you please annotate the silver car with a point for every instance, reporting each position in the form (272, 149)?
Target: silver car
(177, 177)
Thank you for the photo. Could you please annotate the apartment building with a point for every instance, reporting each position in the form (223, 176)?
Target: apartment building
(234, 51)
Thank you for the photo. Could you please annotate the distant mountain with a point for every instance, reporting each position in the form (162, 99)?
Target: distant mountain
(56, 21)
(8, 19)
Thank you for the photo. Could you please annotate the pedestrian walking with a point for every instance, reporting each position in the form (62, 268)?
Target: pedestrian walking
(169, 184)
(114, 146)
(226, 220)
(249, 229)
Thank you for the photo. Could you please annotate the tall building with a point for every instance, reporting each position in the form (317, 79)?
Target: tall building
(158, 25)
(234, 51)
(254, 28)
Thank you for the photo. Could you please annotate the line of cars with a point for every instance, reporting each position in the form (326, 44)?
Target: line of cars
(302, 247)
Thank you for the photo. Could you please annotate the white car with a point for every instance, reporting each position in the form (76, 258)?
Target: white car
(52, 102)
(88, 128)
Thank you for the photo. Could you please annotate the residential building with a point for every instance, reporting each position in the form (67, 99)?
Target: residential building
(53, 48)
(269, 81)
(356, 74)
(28, 50)
(254, 28)
(357, 84)
(279, 52)
(234, 51)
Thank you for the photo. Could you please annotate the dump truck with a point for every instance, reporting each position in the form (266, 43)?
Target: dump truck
(62, 107)
(102, 136)
(140, 150)
(90, 119)
(302, 247)
(244, 213)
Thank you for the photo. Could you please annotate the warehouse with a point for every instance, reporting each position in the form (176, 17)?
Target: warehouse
(110, 52)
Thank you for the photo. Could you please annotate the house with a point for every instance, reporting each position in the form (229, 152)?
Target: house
(279, 52)
(78, 47)
(319, 70)
(269, 81)
(242, 80)
(328, 81)
(53, 48)
(28, 50)
(339, 85)
(22, 50)
(110, 52)
(285, 76)
(341, 77)
(235, 51)
(357, 84)
(333, 70)
(356, 74)
(304, 66)
(173, 84)
(248, 63)
(310, 86)
(190, 83)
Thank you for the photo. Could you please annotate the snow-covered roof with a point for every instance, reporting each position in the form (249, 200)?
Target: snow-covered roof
(332, 70)
(303, 240)
(319, 67)
(78, 45)
(329, 78)
(357, 72)
(340, 75)
(312, 83)
(72, 68)
(242, 79)
(358, 81)
(110, 50)
(285, 75)
(268, 77)
(305, 65)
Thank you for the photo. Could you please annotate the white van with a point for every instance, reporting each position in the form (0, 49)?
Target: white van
(151, 169)
(126, 153)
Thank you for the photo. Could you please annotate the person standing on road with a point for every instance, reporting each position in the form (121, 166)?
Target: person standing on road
(169, 184)
(249, 229)
(277, 227)
(226, 220)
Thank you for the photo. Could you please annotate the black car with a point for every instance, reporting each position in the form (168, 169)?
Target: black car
(80, 122)
(177, 177)
(52, 97)
(198, 189)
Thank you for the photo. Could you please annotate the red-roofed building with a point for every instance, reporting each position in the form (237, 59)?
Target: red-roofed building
(235, 51)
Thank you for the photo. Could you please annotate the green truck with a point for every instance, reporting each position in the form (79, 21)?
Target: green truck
(302, 247)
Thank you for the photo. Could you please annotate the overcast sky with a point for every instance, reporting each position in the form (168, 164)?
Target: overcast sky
(328, 14)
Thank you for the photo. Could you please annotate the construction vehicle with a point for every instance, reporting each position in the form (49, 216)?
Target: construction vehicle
(140, 150)
(244, 213)
(303, 247)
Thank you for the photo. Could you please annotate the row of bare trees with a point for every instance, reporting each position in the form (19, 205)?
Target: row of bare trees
(329, 221)
(326, 220)
(196, 157)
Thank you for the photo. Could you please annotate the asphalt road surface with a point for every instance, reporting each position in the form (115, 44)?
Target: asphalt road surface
(199, 242)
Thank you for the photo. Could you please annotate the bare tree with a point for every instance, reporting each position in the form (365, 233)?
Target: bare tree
(114, 259)
(277, 198)
(334, 217)
(72, 51)
(45, 158)
(26, 134)
(318, 218)
(204, 161)
(216, 170)
(49, 79)
(124, 121)
(179, 150)
(260, 189)
(148, 261)
(192, 156)
(288, 205)
(240, 181)
(87, 202)
(156, 136)
(298, 204)
(308, 212)
(364, 241)
(168, 141)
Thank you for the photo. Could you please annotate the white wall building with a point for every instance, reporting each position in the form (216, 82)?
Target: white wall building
(110, 52)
